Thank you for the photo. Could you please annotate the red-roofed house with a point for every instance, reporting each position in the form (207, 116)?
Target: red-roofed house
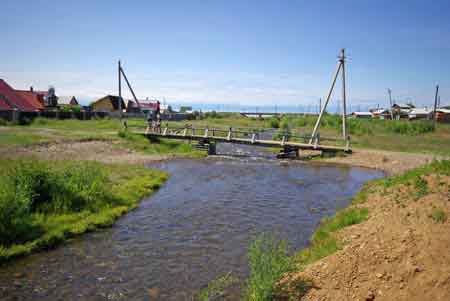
(11, 100)
(35, 98)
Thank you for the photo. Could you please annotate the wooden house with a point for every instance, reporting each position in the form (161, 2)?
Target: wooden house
(108, 103)
(67, 101)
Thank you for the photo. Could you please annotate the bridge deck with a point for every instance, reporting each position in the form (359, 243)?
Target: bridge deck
(251, 141)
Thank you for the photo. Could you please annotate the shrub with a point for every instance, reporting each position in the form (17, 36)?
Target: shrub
(269, 260)
(4, 122)
(15, 208)
(274, 123)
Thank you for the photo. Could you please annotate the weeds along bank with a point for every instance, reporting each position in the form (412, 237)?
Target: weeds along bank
(42, 203)
(390, 244)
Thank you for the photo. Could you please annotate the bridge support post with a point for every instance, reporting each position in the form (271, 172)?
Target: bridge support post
(253, 138)
(211, 149)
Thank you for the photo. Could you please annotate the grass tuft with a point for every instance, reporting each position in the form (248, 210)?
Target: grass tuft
(216, 288)
(438, 215)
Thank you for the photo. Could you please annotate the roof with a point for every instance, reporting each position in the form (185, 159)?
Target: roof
(13, 99)
(403, 105)
(32, 98)
(114, 101)
(419, 111)
(66, 100)
(380, 111)
(445, 111)
(362, 113)
(144, 104)
(4, 105)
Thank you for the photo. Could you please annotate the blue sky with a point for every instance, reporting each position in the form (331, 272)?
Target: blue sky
(236, 52)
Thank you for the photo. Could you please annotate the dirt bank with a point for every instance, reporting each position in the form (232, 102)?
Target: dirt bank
(400, 253)
(102, 151)
(392, 163)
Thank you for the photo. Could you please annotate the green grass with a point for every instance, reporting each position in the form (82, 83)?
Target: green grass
(269, 260)
(323, 243)
(43, 203)
(158, 146)
(216, 288)
(43, 130)
(438, 215)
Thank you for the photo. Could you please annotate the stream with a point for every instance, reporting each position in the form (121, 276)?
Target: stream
(196, 228)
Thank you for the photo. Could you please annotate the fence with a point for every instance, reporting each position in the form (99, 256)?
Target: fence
(18, 116)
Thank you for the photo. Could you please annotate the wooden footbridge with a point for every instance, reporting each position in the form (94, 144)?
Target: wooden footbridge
(208, 137)
(290, 144)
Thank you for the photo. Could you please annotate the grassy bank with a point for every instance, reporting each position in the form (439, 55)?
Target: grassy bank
(50, 131)
(43, 203)
(269, 262)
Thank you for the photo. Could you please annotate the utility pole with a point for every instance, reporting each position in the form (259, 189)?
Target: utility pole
(435, 105)
(120, 90)
(320, 104)
(390, 103)
(327, 99)
(344, 111)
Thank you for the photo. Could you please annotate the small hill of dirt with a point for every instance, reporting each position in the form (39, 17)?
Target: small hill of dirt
(402, 252)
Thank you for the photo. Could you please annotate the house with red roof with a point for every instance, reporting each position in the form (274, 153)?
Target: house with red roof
(35, 98)
(11, 100)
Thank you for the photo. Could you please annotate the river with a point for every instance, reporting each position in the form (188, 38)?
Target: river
(195, 228)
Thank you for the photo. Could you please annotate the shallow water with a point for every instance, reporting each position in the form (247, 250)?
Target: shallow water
(195, 228)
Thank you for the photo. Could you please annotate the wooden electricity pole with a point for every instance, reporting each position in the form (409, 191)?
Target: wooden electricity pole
(120, 90)
(390, 103)
(435, 106)
(344, 110)
(340, 66)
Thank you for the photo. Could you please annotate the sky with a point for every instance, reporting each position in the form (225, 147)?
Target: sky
(251, 53)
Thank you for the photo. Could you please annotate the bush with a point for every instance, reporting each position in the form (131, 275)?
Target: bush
(15, 207)
(274, 123)
(438, 215)
(4, 122)
(28, 187)
(269, 261)
(409, 127)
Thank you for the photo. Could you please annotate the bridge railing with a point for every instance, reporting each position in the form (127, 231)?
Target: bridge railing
(243, 133)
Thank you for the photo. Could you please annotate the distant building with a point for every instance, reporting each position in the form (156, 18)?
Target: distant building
(10, 100)
(36, 98)
(67, 101)
(362, 114)
(400, 110)
(144, 106)
(381, 114)
(443, 115)
(108, 103)
(420, 113)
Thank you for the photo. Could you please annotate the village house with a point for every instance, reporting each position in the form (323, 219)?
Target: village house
(67, 101)
(381, 113)
(443, 115)
(365, 115)
(108, 103)
(420, 113)
(144, 106)
(401, 110)
(10, 100)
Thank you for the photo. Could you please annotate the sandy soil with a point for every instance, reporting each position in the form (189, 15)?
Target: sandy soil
(390, 162)
(103, 151)
(399, 253)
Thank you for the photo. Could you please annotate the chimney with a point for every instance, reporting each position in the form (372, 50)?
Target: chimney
(31, 89)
